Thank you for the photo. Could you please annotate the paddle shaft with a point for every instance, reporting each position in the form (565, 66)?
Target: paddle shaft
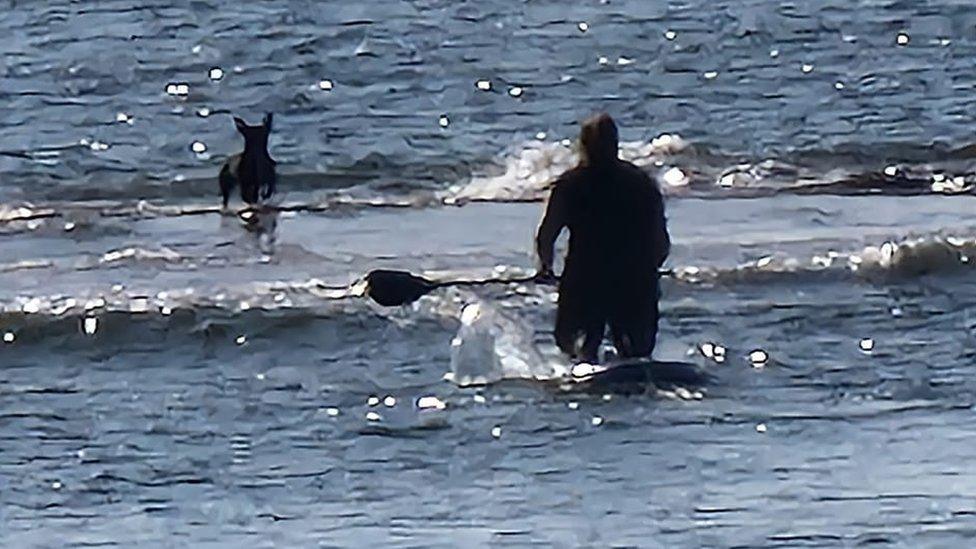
(392, 288)
(483, 282)
(516, 280)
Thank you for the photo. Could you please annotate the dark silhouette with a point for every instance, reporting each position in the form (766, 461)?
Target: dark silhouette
(253, 169)
(618, 241)
(394, 288)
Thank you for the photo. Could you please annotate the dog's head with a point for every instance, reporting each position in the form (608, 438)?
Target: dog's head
(255, 136)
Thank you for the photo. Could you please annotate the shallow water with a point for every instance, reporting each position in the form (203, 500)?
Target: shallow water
(168, 378)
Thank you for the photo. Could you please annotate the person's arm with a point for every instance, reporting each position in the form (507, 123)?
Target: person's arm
(664, 241)
(661, 238)
(552, 224)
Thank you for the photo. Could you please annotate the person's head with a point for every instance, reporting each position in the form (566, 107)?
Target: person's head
(598, 140)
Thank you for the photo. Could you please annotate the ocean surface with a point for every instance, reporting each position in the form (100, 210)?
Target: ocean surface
(170, 379)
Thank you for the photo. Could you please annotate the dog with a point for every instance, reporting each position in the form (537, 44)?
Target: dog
(253, 170)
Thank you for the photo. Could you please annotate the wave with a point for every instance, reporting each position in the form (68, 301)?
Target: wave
(134, 255)
(686, 169)
(64, 174)
(521, 173)
(258, 296)
(526, 173)
(890, 261)
(138, 254)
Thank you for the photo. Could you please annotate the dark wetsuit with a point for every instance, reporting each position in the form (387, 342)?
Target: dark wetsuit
(618, 240)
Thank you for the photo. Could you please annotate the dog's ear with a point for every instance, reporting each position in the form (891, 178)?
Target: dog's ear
(241, 125)
(268, 119)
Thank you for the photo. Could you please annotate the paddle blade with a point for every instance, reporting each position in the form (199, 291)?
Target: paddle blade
(394, 288)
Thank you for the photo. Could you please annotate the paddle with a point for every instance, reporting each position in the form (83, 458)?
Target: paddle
(391, 288)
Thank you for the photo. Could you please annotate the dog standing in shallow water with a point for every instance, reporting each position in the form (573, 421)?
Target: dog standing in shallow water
(253, 169)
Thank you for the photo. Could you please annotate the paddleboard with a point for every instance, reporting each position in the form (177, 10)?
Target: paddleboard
(636, 375)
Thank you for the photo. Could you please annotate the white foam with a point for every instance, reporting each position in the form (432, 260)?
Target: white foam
(90, 325)
(675, 177)
(490, 346)
(907, 257)
(164, 254)
(15, 213)
(585, 370)
(913, 256)
(430, 403)
(758, 358)
(526, 173)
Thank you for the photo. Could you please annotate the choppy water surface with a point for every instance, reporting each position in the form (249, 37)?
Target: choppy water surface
(168, 378)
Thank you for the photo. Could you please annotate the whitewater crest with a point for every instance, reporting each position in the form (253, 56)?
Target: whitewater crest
(526, 173)
(907, 257)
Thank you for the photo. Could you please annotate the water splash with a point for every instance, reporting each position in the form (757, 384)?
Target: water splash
(490, 346)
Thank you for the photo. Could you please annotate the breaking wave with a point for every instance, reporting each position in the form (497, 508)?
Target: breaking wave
(891, 260)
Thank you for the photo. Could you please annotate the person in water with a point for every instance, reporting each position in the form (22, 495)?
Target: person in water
(618, 239)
